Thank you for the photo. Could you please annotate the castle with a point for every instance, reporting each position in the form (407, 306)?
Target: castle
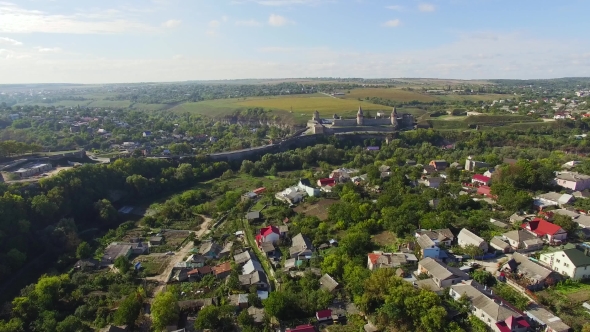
(393, 122)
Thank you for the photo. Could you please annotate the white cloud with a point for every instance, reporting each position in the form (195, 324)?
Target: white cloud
(426, 7)
(395, 7)
(276, 49)
(278, 3)
(48, 49)
(278, 20)
(16, 19)
(214, 24)
(224, 18)
(248, 23)
(9, 41)
(170, 24)
(392, 23)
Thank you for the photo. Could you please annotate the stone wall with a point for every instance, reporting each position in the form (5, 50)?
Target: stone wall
(344, 122)
(377, 122)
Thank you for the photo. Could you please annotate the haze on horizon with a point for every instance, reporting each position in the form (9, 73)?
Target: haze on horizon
(114, 41)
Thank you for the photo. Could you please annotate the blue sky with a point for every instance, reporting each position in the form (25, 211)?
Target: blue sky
(176, 40)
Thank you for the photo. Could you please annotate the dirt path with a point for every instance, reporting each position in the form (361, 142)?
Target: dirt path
(178, 257)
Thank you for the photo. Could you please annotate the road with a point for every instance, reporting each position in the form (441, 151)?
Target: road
(178, 257)
(329, 95)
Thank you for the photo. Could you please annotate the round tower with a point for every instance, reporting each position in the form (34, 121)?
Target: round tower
(394, 122)
(316, 117)
(359, 117)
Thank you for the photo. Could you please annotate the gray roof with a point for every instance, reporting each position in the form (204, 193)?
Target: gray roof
(440, 270)
(519, 235)
(428, 284)
(253, 215)
(328, 283)
(498, 243)
(571, 176)
(300, 243)
(257, 314)
(114, 250)
(283, 228)
(482, 302)
(267, 247)
(244, 257)
(556, 197)
(210, 246)
(425, 242)
(467, 236)
(237, 299)
(545, 317)
(525, 266)
(251, 266)
(290, 263)
(254, 278)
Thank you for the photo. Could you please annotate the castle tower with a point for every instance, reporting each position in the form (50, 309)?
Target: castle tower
(359, 117)
(316, 117)
(394, 122)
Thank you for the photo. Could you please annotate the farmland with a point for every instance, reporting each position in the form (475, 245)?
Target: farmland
(390, 93)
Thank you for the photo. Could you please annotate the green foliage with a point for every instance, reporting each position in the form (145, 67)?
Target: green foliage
(484, 277)
(164, 310)
(129, 309)
(84, 251)
(566, 223)
(105, 210)
(122, 264)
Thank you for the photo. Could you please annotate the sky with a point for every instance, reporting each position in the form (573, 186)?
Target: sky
(121, 41)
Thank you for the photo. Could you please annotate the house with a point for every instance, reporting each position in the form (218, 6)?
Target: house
(269, 234)
(195, 261)
(328, 283)
(253, 216)
(517, 218)
(291, 195)
(114, 251)
(256, 314)
(257, 279)
(573, 263)
(442, 275)
(305, 185)
(432, 182)
(487, 310)
(535, 276)
(485, 191)
(222, 270)
(384, 168)
(545, 230)
(471, 165)
(267, 248)
(438, 236)
(283, 230)
(427, 247)
(179, 275)
(210, 250)
(428, 170)
(499, 244)
(87, 264)
(239, 300)
(323, 315)
(300, 247)
(498, 223)
(439, 165)
(249, 196)
(479, 179)
(521, 239)
(545, 318)
(244, 257)
(552, 199)
(572, 180)
(198, 273)
(466, 237)
(155, 240)
(326, 182)
(251, 266)
(302, 328)
(379, 259)
(259, 191)
(146, 134)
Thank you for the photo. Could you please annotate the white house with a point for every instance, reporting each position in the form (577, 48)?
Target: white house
(466, 237)
(442, 275)
(573, 263)
(552, 199)
(305, 184)
(572, 180)
(268, 234)
(438, 236)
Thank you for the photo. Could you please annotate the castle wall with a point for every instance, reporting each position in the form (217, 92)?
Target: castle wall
(344, 122)
(377, 122)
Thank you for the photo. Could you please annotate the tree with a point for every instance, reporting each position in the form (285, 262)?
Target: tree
(484, 277)
(72, 323)
(105, 210)
(566, 223)
(122, 264)
(83, 251)
(279, 305)
(44, 207)
(473, 251)
(129, 309)
(165, 310)
(244, 319)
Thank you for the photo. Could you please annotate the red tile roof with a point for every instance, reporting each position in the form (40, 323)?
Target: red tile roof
(302, 328)
(484, 190)
(542, 227)
(259, 190)
(266, 231)
(323, 314)
(327, 182)
(481, 178)
(374, 257)
(512, 322)
(221, 268)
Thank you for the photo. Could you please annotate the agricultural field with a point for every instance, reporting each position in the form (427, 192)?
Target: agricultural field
(389, 93)
(319, 209)
(481, 97)
(484, 120)
(153, 264)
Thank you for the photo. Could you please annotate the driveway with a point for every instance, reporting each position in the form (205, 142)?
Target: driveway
(491, 265)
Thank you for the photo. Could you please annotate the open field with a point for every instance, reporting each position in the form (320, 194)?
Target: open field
(319, 209)
(390, 93)
(384, 239)
(482, 97)
(482, 120)
(153, 264)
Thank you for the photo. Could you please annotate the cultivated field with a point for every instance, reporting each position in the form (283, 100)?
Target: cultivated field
(319, 209)
(389, 93)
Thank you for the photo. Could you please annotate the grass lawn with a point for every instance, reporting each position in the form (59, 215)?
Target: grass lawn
(575, 291)
(384, 239)
(153, 264)
(390, 93)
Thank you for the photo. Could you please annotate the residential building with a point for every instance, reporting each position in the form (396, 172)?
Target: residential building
(239, 300)
(521, 239)
(328, 283)
(379, 259)
(496, 315)
(434, 182)
(466, 237)
(485, 191)
(572, 180)
(545, 230)
(326, 182)
(573, 263)
(269, 234)
(439, 165)
(155, 240)
(479, 179)
(544, 318)
(323, 315)
(251, 266)
(244, 257)
(249, 196)
(301, 247)
(442, 275)
(253, 216)
(196, 260)
(221, 271)
(438, 236)
(471, 165)
(427, 247)
(302, 328)
(210, 250)
(552, 199)
(305, 185)
(257, 278)
(114, 251)
(267, 248)
(291, 195)
(256, 314)
(500, 245)
(530, 274)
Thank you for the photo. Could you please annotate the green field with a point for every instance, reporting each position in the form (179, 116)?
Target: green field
(390, 93)
(513, 121)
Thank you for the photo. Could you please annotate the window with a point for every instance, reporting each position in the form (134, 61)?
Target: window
(556, 270)
(557, 260)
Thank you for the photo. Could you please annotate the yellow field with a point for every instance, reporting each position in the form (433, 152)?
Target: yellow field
(390, 93)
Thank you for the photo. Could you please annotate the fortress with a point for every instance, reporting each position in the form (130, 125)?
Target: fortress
(389, 123)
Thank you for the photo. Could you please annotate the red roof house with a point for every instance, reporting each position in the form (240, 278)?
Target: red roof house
(544, 229)
(484, 191)
(259, 190)
(268, 234)
(326, 182)
(302, 328)
(481, 179)
(513, 324)
(323, 315)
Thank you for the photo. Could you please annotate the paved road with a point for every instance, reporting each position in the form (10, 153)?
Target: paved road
(178, 257)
